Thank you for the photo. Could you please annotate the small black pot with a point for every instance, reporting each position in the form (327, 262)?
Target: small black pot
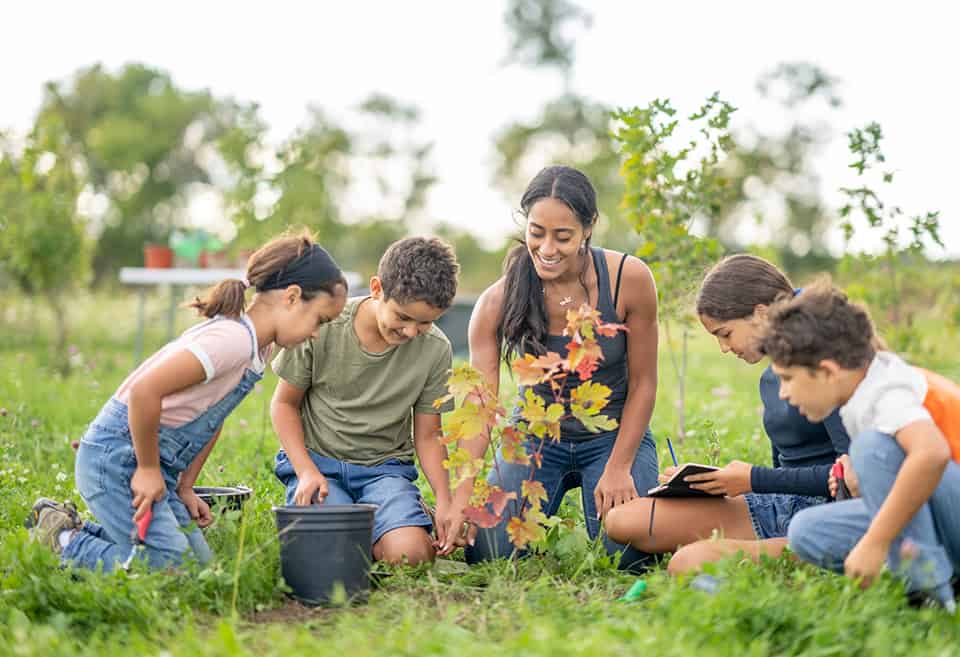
(226, 497)
(323, 546)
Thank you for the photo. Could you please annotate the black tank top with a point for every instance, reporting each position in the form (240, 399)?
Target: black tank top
(611, 372)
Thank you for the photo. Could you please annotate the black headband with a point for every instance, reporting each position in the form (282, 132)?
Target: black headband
(310, 270)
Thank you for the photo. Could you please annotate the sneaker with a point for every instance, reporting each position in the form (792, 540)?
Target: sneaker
(942, 598)
(48, 518)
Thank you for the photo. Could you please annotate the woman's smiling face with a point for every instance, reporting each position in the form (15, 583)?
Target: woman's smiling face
(553, 236)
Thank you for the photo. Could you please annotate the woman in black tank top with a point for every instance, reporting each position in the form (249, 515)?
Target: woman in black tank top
(555, 269)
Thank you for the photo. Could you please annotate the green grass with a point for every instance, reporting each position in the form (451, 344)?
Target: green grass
(561, 603)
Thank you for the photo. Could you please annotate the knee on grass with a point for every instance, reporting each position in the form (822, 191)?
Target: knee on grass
(620, 525)
(800, 536)
(409, 545)
(690, 558)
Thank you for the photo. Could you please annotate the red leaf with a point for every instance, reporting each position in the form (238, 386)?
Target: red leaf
(498, 498)
(481, 517)
(512, 447)
(610, 330)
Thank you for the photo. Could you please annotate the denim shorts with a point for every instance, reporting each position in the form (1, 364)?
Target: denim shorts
(388, 485)
(771, 513)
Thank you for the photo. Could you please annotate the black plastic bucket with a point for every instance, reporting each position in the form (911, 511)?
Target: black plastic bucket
(323, 547)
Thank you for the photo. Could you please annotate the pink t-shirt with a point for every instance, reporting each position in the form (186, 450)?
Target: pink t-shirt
(224, 347)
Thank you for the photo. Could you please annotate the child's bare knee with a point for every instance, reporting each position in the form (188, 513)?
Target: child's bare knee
(616, 524)
(409, 545)
(690, 558)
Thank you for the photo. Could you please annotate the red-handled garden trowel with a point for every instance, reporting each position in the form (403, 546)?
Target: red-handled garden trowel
(138, 536)
(843, 493)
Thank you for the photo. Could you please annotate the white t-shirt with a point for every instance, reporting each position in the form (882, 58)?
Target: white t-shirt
(890, 397)
(224, 347)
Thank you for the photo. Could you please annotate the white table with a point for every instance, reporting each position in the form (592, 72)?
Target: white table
(143, 278)
(175, 277)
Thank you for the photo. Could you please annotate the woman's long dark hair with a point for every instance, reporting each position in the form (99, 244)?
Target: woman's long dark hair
(523, 325)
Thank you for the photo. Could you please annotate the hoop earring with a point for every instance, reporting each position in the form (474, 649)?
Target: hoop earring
(583, 247)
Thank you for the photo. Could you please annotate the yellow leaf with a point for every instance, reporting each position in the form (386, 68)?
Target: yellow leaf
(589, 398)
(464, 423)
(534, 492)
(524, 531)
(462, 466)
(597, 423)
(532, 407)
(465, 380)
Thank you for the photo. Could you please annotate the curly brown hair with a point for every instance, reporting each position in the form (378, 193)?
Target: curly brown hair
(819, 324)
(420, 269)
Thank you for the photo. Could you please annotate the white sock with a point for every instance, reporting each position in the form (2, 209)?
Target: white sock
(64, 537)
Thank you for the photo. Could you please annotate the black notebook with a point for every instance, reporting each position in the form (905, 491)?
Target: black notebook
(677, 487)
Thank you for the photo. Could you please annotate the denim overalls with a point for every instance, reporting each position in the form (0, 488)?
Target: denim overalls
(106, 463)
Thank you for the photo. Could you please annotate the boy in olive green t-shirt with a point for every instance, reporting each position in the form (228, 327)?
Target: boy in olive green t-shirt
(349, 399)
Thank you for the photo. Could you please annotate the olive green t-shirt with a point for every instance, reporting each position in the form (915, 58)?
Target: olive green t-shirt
(359, 406)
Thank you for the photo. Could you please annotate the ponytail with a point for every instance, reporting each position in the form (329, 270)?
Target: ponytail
(291, 259)
(225, 298)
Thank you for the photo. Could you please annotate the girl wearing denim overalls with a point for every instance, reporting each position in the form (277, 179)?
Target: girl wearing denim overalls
(144, 450)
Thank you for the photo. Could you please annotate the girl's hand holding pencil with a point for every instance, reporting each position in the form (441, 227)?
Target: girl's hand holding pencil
(732, 480)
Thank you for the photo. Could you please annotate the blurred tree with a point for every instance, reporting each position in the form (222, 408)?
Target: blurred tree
(777, 189)
(295, 185)
(570, 129)
(306, 181)
(574, 131)
(43, 247)
(670, 184)
(894, 280)
(540, 32)
(140, 142)
(479, 266)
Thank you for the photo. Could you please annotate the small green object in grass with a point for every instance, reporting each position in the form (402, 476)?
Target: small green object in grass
(635, 592)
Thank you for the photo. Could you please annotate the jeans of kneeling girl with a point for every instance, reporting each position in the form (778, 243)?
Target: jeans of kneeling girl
(105, 465)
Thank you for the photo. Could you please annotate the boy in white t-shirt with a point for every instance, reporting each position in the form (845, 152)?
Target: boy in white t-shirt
(904, 424)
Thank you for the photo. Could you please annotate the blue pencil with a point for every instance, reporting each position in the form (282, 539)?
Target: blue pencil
(672, 453)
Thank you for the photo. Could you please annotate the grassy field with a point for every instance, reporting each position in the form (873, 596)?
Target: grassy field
(561, 603)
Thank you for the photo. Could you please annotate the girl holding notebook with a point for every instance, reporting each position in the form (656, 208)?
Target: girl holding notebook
(752, 504)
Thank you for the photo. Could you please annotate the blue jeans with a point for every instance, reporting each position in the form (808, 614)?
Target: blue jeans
(567, 465)
(104, 467)
(824, 535)
(389, 486)
(771, 513)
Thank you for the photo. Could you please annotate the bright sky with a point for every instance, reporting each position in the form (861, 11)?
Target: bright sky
(898, 64)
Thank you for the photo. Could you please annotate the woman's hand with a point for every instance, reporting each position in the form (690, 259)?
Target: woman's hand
(614, 488)
(731, 481)
(148, 486)
(197, 508)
